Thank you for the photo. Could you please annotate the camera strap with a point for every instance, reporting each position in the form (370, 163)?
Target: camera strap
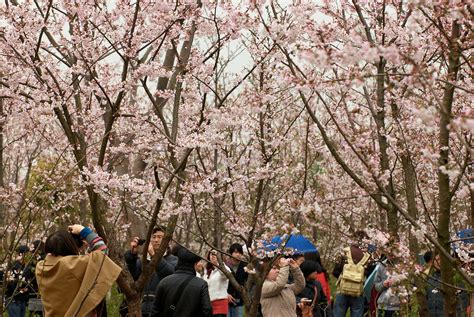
(313, 304)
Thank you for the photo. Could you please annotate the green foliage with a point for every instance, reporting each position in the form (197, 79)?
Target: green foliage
(114, 299)
(48, 191)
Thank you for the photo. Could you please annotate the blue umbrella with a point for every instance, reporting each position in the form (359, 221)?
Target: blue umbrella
(298, 243)
(466, 236)
(466, 233)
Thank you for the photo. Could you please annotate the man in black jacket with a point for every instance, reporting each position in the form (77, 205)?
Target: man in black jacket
(183, 294)
(236, 308)
(164, 268)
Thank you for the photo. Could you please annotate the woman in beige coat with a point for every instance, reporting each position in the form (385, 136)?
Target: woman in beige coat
(73, 285)
(278, 298)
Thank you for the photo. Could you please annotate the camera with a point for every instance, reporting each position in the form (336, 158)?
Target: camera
(77, 240)
(141, 241)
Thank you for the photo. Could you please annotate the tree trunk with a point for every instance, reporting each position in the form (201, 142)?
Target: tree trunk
(409, 179)
(2, 206)
(444, 193)
(251, 309)
(471, 187)
(410, 191)
(134, 307)
(392, 216)
(2, 172)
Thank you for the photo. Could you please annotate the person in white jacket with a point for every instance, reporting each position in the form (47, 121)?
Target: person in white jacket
(217, 283)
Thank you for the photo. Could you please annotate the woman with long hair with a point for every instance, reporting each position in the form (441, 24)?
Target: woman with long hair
(217, 283)
(71, 284)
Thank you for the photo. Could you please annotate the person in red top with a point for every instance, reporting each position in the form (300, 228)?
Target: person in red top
(313, 289)
(218, 284)
(322, 275)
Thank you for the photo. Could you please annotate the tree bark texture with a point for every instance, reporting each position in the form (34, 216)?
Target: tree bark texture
(444, 193)
(392, 215)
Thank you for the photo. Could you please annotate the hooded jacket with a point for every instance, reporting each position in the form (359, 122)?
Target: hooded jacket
(194, 300)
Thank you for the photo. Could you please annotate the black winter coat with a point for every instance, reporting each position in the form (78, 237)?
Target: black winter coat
(163, 269)
(241, 277)
(18, 287)
(321, 300)
(193, 302)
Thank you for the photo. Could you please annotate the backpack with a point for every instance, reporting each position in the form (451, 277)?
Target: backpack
(351, 281)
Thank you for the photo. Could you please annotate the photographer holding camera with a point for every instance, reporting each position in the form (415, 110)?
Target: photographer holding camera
(164, 267)
(278, 297)
(71, 284)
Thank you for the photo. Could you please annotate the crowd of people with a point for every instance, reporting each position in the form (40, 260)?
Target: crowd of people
(60, 278)
(21, 287)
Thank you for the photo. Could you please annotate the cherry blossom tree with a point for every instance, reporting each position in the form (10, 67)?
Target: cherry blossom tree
(75, 68)
(124, 103)
(237, 121)
(379, 80)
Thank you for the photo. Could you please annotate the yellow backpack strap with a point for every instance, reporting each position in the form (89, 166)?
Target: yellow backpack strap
(364, 259)
(349, 255)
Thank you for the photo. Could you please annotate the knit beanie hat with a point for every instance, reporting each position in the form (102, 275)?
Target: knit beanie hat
(186, 257)
(308, 267)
